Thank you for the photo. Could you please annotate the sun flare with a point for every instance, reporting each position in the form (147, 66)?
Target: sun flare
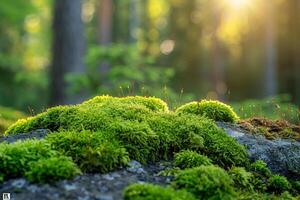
(238, 4)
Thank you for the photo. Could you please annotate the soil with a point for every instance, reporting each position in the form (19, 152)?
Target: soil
(271, 129)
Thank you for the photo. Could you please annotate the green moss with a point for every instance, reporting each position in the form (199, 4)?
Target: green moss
(278, 184)
(169, 172)
(179, 132)
(189, 159)
(15, 158)
(264, 196)
(92, 152)
(152, 103)
(241, 178)
(206, 182)
(1, 177)
(261, 168)
(8, 116)
(296, 187)
(155, 192)
(138, 138)
(89, 117)
(214, 110)
(147, 135)
(52, 169)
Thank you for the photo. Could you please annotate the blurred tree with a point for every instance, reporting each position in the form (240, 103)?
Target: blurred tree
(289, 48)
(68, 49)
(105, 20)
(270, 73)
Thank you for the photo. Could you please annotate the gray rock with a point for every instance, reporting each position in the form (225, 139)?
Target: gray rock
(37, 134)
(87, 186)
(281, 155)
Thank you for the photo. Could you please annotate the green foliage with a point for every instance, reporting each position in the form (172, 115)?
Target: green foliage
(52, 169)
(15, 158)
(241, 178)
(130, 72)
(206, 182)
(92, 152)
(278, 184)
(261, 168)
(8, 116)
(154, 192)
(214, 110)
(189, 159)
(275, 108)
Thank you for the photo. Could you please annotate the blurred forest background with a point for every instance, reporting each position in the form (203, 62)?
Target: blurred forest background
(63, 51)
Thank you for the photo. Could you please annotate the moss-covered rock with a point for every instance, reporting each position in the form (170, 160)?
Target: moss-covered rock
(52, 169)
(189, 159)
(206, 182)
(147, 135)
(92, 152)
(154, 192)
(214, 110)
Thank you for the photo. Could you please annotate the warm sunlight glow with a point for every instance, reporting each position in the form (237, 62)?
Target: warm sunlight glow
(238, 4)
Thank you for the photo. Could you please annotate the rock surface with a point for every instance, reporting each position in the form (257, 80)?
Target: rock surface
(88, 186)
(281, 155)
(37, 134)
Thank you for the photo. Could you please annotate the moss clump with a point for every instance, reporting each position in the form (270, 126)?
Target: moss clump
(89, 117)
(92, 152)
(206, 182)
(241, 178)
(261, 168)
(154, 192)
(152, 103)
(52, 169)
(214, 110)
(278, 184)
(189, 159)
(138, 138)
(179, 132)
(15, 158)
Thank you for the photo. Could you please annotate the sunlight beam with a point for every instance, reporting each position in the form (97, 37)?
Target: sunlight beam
(238, 4)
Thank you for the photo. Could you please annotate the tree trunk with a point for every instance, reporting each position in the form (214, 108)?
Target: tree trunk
(68, 49)
(134, 19)
(105, 18)
(217, 73)
(270, 73)
(105, 14)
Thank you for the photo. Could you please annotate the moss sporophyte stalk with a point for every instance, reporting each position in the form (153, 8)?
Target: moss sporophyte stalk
(104, 133)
